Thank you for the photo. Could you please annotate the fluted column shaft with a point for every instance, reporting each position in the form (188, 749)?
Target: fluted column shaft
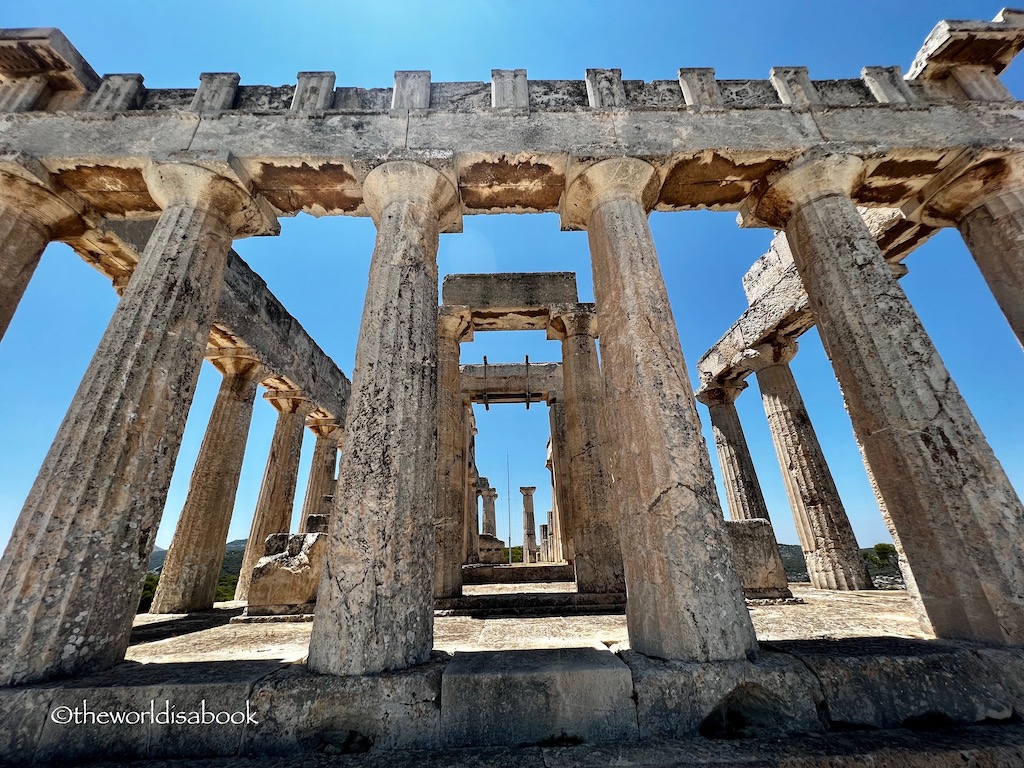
(742, 488)
(189, 577)
(22, 242)
(274, 505)
(321, 473)
(994, 234)
(958, 518)
(560, 479)
(490, 527)
(529, 526)
(826, 536)
(685, 599)
(375, 609)
(598, 554)
(72, 573)
(451, 459)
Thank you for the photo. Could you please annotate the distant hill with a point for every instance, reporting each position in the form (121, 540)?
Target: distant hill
(796, 566)
(233, 552)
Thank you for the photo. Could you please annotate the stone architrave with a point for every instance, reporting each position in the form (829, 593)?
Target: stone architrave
(826, 536)
(33, 211)
(321, 469)
(529, 525)
(956, 514)
(490, 526)
(375, 609)
(191, 571)
(69, 597)
(742, 489)
(685, 599)
(280, 477)
(595, 533)
(453, 327)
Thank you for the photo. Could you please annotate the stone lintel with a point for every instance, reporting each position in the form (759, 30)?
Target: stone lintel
(989, 44)
(45, 51)
(507, 383)
(510, 291)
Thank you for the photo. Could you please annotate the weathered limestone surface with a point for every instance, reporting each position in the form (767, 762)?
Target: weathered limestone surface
(374, 609)
(826, 536)
(560, 479)
(685, 599)
(957, 516)
(188, 579)
(512, 382)
(451, 457)
(529, 526)
(273, 512)
(490, 496)
(72, 573)
(595, 533)
(742, 489)
(287, 581)
(321, 471)
(22, 242)
(533, 696)
(755, 553)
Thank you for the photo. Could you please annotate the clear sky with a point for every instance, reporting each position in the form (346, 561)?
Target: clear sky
(318, 267)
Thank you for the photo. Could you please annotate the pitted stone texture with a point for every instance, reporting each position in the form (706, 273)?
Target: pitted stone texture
(685, 599)
(22, 242)
(770, 698)
(756, 556)
(529, 526)
(536, 696)
(742, 489)
(301, 711)
(560, 481)
(490, 495)
(277, 492)
(375, 607)
(189, 577)
(893, 683)
(826, 536)
(597, 550)
(957, 516)
(72, 573)
(287, 582)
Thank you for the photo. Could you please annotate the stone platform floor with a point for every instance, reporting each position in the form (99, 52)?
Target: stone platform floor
(209, 636)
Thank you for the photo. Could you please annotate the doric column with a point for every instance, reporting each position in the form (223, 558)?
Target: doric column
(375, 609)
(685, 599)
(595, 533)
(33, 211)
(490, 527)
(544, 555)
(69, 596)
(560, 476)
(826, 536)
(321, 469)
(986, 203)
(273, 512)
(453, 327)
(553, 527)
(189, 577)
(742, 489)
(956, 514)
(471, 503)
(529, 525)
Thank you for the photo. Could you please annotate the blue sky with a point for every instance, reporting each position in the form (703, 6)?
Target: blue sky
(318, 267)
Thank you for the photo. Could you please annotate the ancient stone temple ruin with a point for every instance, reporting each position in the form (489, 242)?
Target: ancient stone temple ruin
(151, 187)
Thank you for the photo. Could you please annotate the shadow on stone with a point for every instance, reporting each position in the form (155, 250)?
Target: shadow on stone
(747, 712)
(182, 625)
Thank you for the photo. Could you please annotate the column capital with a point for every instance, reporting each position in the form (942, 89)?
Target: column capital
(325, 428)
(814, 174)
(719, 394)
(236, 361)
(455, 323)
(217, 182)
(489, 493)
(403, 180)
(619, 178)
(778, 351)
(527, 490)
(290, 401)
(568, 320)
(26, 185)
